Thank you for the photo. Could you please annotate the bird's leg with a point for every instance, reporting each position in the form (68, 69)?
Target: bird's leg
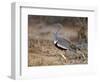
(63, 56)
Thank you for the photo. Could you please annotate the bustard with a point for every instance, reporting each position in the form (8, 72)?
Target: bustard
(64, 44)
(61, 43)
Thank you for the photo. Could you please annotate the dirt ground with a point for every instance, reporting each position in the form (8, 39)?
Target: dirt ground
(42, 51)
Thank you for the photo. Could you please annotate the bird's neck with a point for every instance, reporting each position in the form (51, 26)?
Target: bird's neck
(55, 41)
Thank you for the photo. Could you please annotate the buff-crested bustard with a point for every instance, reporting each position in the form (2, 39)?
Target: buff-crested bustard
(64, 44)
(60, 42)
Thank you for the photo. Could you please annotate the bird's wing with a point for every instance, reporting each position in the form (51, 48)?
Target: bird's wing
(63, 41)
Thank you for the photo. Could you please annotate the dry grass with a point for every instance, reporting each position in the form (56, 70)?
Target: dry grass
(44, 53)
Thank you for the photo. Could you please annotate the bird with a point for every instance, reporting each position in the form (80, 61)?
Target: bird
(66, 45)
(61, 43)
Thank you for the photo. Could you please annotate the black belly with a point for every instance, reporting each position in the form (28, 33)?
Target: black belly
(60, 47)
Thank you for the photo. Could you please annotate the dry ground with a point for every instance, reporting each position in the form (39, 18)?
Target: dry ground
(43, 52)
